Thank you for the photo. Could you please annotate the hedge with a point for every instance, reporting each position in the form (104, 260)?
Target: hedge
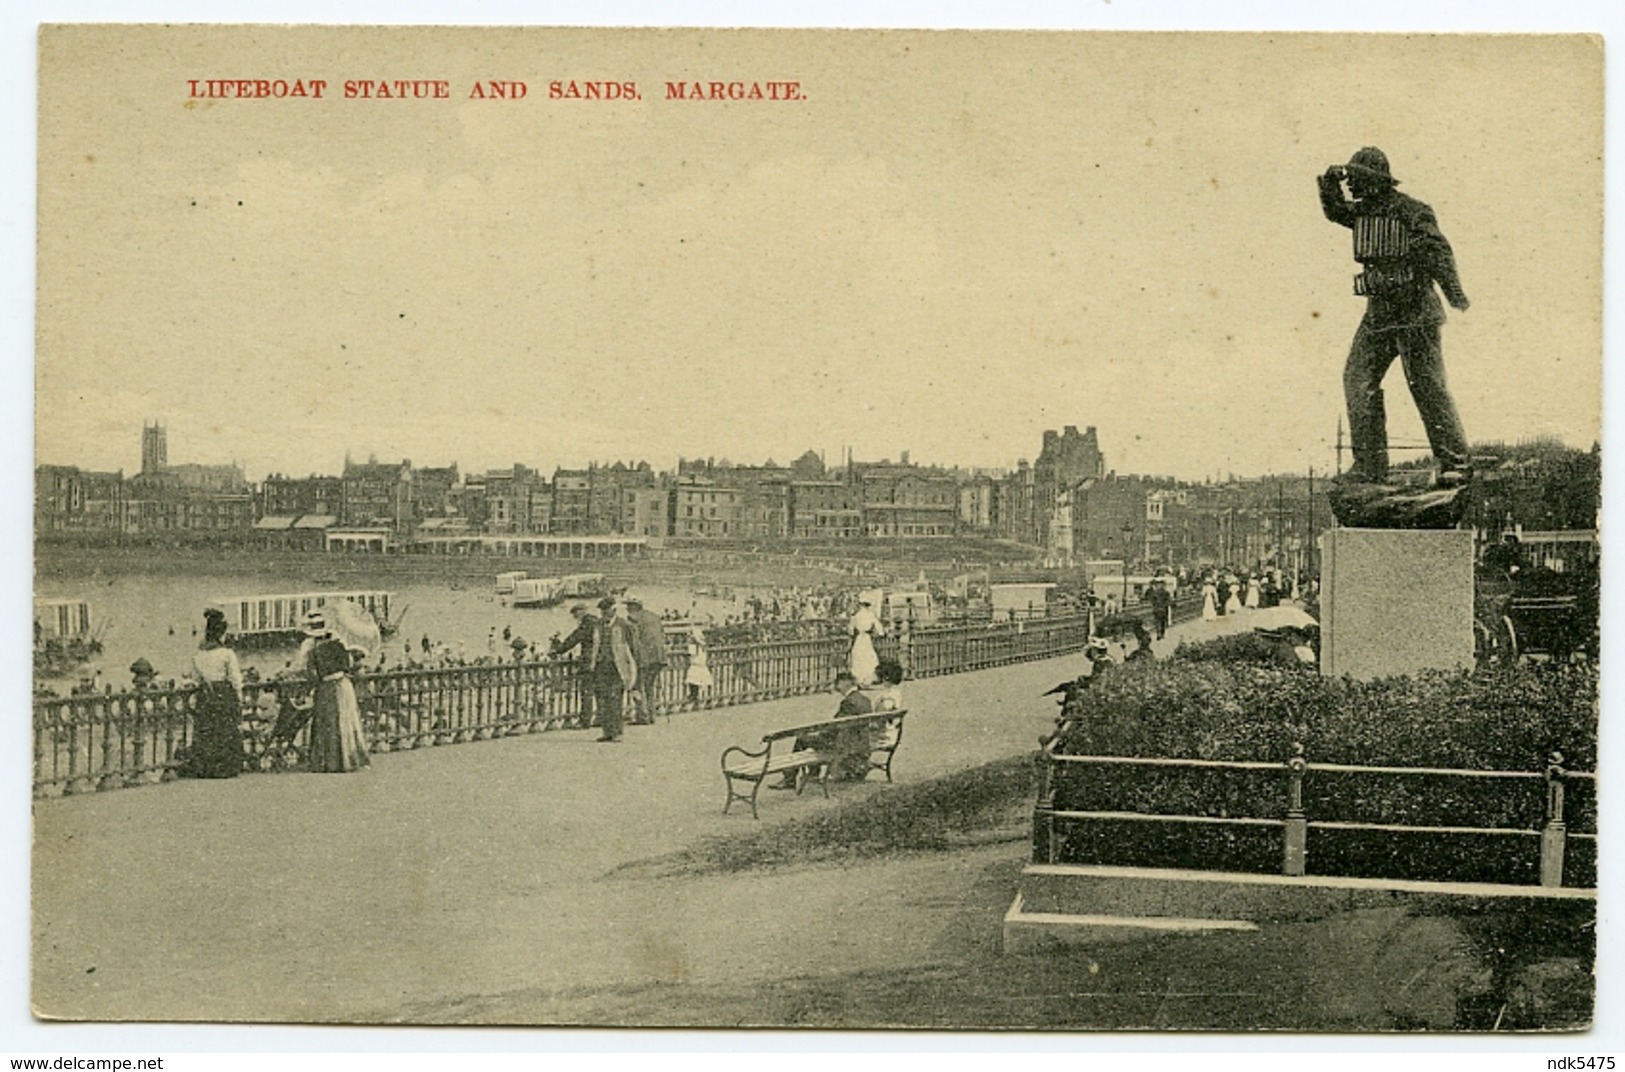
(1508, 719)
(1204, 708)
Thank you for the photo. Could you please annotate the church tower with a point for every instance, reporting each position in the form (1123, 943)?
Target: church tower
(154, 448)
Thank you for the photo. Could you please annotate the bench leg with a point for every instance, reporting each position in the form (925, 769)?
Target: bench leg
(823, 779)
(756, 787)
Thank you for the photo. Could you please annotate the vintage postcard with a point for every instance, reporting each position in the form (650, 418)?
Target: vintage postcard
(817, 528)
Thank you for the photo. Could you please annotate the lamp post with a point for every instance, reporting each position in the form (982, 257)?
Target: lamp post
(1128, 531)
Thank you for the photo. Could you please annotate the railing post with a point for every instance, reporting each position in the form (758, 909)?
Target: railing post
(78, 752)
(1045, 849)
(43, 722)
(1553, 837)
(108, 777)
(1295, 833)
(135, 709)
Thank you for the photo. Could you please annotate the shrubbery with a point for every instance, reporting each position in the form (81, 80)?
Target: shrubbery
(1246, 647)
(1240, 710)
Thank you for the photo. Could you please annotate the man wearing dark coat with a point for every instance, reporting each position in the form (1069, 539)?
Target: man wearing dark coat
(1161, 603)
(649, 651)
(581, 638)
(612, 667)
(1402, 255)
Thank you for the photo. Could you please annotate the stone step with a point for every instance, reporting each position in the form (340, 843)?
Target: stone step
(1091, 902)
(1027, 931)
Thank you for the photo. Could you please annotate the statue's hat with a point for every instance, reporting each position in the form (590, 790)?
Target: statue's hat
(1373, 163)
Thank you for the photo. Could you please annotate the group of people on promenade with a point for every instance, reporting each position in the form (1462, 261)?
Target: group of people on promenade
(336, 741)
(619, 647)
(854, 745)
(1227, 592)
(621, 653)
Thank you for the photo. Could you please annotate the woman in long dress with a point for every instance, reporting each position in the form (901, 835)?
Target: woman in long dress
(1210, 600)
(864, 627)
(217, 733)
(1252, 592)
(337, 742)
(1232, 601)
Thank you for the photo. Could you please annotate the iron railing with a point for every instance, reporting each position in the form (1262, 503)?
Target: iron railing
(1257, 818)
(110, 740)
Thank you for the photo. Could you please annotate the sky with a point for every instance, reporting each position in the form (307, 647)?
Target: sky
(954, 243)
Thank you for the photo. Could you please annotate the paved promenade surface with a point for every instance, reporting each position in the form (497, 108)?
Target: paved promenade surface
(441, 879)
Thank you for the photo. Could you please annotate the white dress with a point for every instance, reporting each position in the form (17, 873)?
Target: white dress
(1210, 596)
(699, 668)
(863, 660)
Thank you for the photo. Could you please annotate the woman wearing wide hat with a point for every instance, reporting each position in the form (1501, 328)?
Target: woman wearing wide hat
(217, 734)
(337, 742)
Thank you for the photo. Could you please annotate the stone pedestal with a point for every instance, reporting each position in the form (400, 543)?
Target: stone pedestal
(1395, 601)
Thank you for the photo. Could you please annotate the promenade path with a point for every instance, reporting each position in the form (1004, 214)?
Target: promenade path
(443, 876)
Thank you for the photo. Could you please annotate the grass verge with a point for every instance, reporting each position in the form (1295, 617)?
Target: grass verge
(992, 802)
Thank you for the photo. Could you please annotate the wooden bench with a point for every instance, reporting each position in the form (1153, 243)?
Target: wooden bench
(804, 752)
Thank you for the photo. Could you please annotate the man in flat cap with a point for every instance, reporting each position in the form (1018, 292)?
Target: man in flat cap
(1402, 255)
(613, 668)
(580, 640)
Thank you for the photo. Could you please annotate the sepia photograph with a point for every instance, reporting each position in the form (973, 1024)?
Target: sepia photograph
(849, 529)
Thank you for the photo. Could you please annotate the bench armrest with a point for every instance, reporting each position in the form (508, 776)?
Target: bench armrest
(742, 754)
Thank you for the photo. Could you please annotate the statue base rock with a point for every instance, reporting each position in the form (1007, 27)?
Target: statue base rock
(1362, 505)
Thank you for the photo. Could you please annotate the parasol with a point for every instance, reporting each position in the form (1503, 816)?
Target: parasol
(1283, 617)
(353, 626)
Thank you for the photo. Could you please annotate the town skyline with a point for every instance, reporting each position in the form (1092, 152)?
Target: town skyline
(1067, 504)
(632, 458)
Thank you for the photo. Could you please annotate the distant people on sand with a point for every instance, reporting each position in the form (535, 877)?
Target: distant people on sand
(217, 736)
(337, 742)
(864, 627)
